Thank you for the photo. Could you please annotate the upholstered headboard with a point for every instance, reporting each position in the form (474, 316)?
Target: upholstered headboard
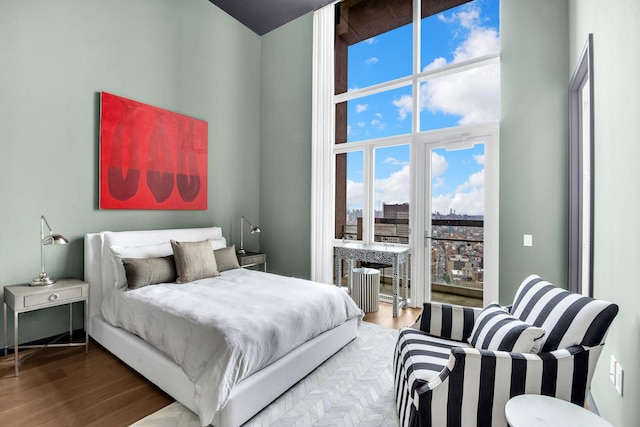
(99, 265)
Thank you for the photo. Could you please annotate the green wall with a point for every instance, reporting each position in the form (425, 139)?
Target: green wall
(285, 156)
(190, 57)
(533, 142)
(541, 43)
(616, 30)
(185, 56)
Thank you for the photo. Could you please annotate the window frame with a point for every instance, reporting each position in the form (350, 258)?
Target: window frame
(581, 173)
(324, 178)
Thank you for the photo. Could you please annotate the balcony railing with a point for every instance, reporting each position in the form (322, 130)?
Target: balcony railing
(457, 256)
(457, 252)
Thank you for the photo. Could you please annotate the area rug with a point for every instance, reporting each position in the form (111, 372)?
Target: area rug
(352, 388)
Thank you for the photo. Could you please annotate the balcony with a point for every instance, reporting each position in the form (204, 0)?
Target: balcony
(457, 260)
(457, 256)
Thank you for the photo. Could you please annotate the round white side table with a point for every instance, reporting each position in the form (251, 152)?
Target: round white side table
(534, 410)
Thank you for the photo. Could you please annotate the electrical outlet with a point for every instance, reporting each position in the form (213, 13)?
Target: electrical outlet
(527, 240)
(612, 370)
(619, 378)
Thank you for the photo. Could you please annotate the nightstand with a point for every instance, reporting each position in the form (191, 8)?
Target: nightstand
(25, 298)
(249, 259)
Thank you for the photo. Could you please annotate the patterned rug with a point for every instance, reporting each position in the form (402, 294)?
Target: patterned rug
(352, 388)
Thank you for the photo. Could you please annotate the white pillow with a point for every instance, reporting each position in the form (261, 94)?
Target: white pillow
(496, 329)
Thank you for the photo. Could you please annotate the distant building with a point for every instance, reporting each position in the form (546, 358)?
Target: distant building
(400, 211)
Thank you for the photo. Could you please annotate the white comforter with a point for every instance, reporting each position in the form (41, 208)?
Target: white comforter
(223, 329)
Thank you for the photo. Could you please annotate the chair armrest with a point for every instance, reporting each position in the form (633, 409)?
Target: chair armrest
(449, 321)
(564, 373)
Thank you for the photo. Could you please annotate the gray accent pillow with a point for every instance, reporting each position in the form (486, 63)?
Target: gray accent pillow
(194, 260)
(149, 271)
(226, 258)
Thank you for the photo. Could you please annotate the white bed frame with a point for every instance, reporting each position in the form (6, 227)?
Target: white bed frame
(250, 395)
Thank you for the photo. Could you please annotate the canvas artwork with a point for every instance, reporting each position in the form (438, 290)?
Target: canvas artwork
(151, 158)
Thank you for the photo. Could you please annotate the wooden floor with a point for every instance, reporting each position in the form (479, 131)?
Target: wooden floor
(63, 387)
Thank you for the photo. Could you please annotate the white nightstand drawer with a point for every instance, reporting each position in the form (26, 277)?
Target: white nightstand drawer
(52, 297)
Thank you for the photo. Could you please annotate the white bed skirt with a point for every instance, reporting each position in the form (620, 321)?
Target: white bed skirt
(248, 396)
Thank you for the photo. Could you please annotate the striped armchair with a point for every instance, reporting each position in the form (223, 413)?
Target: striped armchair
(458, 366)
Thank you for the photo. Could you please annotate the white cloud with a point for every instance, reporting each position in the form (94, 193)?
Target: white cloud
(348, 129)
(378, 115)
(474, 94)
(481, 41)
(394, 161)
(361, 124)
(437, 182)
(372, 40)
(470, 202)
(372, 60)
(439, 164)
(394, 189)
(378, 124)
(467, 18)
(467, 199)
(354, 195)
(476, 180)
(361, 107)
(479, 158)
(436, 63)
(404, 106)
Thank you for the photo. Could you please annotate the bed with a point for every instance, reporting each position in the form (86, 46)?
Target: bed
(216, 399)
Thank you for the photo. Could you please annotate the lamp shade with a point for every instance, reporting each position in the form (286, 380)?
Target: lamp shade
(55, 239)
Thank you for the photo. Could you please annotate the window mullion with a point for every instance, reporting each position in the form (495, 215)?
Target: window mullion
(367, 208)
(416, 70)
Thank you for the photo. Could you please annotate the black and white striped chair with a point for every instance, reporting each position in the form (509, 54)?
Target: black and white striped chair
(458, 366)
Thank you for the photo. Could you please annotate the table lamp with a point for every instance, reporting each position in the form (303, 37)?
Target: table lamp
(254, 230)
(50, 239)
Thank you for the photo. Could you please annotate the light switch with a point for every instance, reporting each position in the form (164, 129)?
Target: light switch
(528, 240)
(612, 369)
(619, 378)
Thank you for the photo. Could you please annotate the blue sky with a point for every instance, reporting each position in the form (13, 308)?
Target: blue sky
(459, 34)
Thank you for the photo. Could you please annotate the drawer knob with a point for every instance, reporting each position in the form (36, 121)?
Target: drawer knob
(254, 259)
(53, 297)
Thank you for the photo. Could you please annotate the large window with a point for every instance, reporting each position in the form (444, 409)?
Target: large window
(395, 78)
(408, 78)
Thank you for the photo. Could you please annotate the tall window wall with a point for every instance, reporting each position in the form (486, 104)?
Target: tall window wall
(400, 69)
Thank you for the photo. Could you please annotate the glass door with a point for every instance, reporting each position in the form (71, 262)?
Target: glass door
(455, 237)
(460, 217)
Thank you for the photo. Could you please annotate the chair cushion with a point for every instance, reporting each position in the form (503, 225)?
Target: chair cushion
(496, 329)
(568, 318)
(424, 356)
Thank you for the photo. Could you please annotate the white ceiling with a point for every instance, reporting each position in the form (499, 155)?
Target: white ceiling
(262, 16)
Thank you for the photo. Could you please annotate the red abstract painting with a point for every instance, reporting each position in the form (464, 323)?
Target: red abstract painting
(151, 158)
